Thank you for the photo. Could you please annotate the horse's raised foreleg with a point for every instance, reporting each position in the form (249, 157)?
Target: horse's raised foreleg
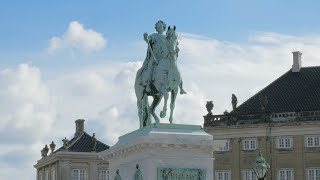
(155, 103)
(172, 103)
(165, 94)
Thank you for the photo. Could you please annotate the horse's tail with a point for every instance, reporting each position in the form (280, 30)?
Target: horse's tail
(145, 110)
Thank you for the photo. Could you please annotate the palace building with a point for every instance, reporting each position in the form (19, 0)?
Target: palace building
(77, 159)
(282, 121)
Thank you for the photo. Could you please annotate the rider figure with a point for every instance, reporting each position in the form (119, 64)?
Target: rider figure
(157, 50)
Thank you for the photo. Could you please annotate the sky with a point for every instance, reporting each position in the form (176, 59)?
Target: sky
(65, 60)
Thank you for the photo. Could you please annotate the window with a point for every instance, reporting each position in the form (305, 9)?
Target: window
(53, 174)
(223, 175)
(249, 175)
(312, 141)
(285, 174)
(284, 142)
(249, 144)
(226, 146)
(314, 174)
(104, 175)
(78, 174)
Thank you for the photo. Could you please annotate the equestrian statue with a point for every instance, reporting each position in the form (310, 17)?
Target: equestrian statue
(158, 75)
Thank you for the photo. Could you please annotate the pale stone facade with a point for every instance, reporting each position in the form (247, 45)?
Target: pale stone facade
(299, 157)
(61, 166)
(282, 121)
(77, 159)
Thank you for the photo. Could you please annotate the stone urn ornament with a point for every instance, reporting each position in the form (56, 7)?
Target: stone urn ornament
(52, 146)
(209, 107)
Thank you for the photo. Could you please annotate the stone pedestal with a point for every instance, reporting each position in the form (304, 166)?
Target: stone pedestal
(163, 150)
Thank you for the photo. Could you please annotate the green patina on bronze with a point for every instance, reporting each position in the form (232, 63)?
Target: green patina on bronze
(159, 75)
(181, 174)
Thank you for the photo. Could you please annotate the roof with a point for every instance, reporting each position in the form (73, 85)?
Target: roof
(82, 143)
(291, 92)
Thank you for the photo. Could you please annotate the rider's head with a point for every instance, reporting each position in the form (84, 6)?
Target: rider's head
(160, 26)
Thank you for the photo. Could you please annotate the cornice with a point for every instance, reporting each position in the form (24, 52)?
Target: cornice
(65, 155)
(123, 151)
(264, 130)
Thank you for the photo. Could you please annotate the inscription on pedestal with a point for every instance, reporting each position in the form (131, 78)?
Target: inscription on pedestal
(181, 174)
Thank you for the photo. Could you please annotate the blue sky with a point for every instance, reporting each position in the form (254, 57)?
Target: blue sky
(26, 27)
(64, 60)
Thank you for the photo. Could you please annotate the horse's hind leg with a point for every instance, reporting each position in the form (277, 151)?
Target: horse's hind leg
(172, 103)
(139, 95)
(166, 96)
(145, 111)
(155, 103)
(140, 112)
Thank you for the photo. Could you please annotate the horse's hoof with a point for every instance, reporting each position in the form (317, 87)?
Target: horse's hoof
(163, 114)
(183, 91)
(156, 119)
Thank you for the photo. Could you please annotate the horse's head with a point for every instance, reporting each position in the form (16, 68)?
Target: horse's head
(172, 39)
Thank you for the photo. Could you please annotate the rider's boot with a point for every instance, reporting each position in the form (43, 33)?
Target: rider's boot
(148, 89)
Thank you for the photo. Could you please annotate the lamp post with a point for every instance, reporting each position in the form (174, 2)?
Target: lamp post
(261, 167)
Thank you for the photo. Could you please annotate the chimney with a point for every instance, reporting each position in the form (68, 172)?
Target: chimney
(79, 127)
(296, 61)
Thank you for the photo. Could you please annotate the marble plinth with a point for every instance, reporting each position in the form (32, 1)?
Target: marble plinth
(160, 146)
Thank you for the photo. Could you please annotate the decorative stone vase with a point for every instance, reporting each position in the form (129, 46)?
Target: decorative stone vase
(52, 146)
(209, 107)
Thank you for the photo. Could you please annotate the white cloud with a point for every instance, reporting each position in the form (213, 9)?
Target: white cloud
(26, 101)
(276, 38)
(103, 94)
(77, 37)
(27, 116)
(222, 68)
(211, 70)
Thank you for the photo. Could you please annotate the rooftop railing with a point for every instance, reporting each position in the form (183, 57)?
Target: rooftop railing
(236, 118)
